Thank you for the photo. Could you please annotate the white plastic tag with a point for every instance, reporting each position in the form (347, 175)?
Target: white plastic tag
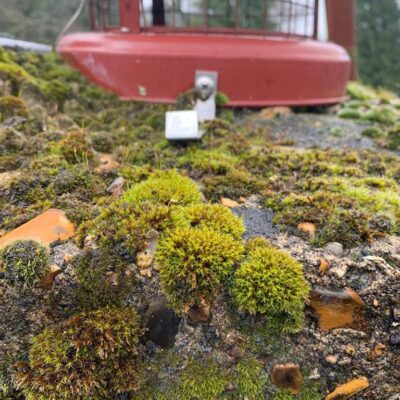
(182, 125)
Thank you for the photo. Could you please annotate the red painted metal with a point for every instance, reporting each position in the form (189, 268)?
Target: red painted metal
(256, 68)
(253, 71)
(341, 19)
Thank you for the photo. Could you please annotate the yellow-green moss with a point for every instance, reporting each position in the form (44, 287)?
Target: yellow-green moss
(358, 91)
(212, 216)
(195, 263)
(167, 188)
(76, 147)
(270, 282)
(90, 356)
(11, 106)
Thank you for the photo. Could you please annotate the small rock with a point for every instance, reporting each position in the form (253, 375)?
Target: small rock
(394, 339)
(335, 248)
(146, 273)
(331, 359)
(323, 265)
(236, 352)
(287, 376)
(162, 324)
(112, 278)
(46, 228)
(345, 361)
(67, 257)
(308, 228)
(315, 375)
(229, 203)
(242, 200)
(144, 260)
(107, 163)
(49, 276)
(375, 303)
(348, 389)
(273, 112)
(337, 308)
(350, 349)
(116, 186)
(199, 312)
(377, 351)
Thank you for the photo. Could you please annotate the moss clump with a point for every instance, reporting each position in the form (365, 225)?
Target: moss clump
(122, 228)
(358, 91)
(24, 262)
(90, 356)
(195, 263)
(11, 106)
(166, 188)
(207, 379)
(103, 280)
(349, 113)
(393, 138)
(382, 114)
(373, 132)
(270, 282)
(213, 216)
(76, 147)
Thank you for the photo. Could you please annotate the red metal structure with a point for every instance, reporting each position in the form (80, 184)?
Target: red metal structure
(265, 52)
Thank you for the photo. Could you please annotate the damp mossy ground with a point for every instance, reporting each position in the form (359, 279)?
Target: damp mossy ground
(54, 129)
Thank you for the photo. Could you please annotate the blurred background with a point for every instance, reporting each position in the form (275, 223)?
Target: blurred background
(378, 32)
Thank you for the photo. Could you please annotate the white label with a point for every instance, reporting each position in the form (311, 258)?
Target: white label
(182, 125)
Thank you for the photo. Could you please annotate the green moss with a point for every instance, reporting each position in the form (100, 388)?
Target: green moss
(270, 282)
(212, 216)
(208, 161)
(308, 392)
(166, 188)
(358, 91)
(235, 184)
(195, 263)
(206, 379)
(96, 351)
(349, 113)
(103, 280)
(24, 262)
(382, 114)
(11, 106)
(122, 228)
(373, 132)
(393, 138)
(76, 147)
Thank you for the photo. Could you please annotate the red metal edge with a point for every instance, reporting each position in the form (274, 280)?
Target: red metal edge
(253, 71)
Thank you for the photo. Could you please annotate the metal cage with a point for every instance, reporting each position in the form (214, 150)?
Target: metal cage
(297, 18)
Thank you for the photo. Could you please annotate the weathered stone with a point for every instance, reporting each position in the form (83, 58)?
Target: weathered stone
(394, 339)
(323, 265)
(199, 312)
(273, 112)
(337, 308)
(112, 278)
(49, 276)
(287, 376)
(350, 349)
(107, 163)
(229, 203)
(46, 228)
(162, 324)
(331, 359)
(116, 186)
(377, 351)
(335, 248)
(348, 389)
(307, 227)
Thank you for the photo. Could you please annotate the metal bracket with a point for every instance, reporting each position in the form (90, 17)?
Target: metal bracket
(206, 86)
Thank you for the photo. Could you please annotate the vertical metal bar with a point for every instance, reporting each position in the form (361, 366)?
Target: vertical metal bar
(205, 13)
(92, 16)
(290, 16)
(265, 14)
(173, 13)
(237, 14)
(316, 15)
